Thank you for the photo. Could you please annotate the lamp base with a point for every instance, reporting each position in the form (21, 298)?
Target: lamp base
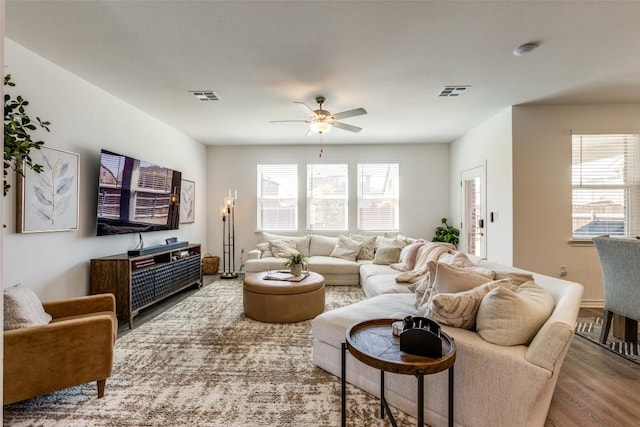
(229, 275)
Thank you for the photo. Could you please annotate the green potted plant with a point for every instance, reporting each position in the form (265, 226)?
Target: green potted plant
(17, 138)
(447, 233)
(296, 261)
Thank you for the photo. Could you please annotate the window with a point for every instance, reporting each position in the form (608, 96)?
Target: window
(327, 196)
(605, 174)
(278, 197)
(378, 205)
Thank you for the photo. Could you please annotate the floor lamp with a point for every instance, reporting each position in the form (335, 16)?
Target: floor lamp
(228, 237)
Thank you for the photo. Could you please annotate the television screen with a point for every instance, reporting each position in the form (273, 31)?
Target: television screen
(136, 196)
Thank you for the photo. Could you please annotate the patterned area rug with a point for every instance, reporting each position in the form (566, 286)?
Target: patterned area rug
(203, 363)
(590, 328)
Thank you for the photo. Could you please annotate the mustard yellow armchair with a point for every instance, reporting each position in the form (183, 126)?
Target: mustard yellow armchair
(75, 348)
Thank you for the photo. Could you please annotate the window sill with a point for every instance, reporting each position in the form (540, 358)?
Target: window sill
(580, 242)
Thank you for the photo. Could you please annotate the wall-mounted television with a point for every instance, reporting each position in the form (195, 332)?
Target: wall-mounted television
(136, 196)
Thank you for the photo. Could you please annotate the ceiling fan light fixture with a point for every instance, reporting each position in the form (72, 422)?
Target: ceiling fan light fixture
(320, 127)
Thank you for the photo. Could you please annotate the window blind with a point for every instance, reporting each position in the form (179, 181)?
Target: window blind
(277, 197)
(378, 197)
(327, 196)
(605, 190)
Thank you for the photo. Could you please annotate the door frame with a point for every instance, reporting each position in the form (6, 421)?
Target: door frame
(466, 175)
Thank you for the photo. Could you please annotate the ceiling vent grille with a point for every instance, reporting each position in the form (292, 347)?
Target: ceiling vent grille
(205, 95)
(453, 90)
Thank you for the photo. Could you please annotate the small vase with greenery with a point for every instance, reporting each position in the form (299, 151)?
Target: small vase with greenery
(18, 141)
(447, 233)
(296, 262)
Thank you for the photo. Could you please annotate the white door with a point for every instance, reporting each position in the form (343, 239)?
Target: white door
(474, 210)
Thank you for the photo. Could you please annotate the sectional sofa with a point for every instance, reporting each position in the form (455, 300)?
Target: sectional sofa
(497, 382)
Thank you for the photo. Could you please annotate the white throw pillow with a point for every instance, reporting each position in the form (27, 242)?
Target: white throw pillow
(22, 308)
(459, 309)
(301, 243)
(282, 248)
(322, 245)
(346, 248)
(507, 317)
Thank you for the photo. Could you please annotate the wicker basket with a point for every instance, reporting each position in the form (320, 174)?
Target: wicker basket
(210, 264)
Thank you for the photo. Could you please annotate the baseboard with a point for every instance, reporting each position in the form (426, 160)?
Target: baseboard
(592, 303)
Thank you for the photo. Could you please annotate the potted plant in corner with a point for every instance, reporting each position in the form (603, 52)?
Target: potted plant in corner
(447, 233)
(295, 262)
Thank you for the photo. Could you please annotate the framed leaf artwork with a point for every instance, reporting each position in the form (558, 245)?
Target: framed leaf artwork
(187, 201)
(48, 201)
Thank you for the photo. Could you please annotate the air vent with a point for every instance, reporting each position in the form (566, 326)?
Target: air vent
(205, 95)
(453, 90)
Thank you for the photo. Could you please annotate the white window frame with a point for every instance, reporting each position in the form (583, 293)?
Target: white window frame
(285, 174)
(599, 177)
(388, 196)
(317, 196)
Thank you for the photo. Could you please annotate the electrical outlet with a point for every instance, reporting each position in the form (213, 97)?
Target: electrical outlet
(563, 270)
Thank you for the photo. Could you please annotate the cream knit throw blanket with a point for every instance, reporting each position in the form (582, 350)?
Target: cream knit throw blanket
(430, 251)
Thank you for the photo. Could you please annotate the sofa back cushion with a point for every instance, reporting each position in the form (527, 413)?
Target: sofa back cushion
(322, 245)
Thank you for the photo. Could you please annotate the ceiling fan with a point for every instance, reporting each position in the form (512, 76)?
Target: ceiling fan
(321, 120)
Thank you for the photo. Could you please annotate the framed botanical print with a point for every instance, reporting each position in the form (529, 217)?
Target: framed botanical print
(48, 201)
(187, 201)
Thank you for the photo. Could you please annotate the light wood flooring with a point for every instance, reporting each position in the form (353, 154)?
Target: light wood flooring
(595, 388)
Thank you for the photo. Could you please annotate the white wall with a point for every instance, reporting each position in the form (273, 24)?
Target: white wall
(85, 119)
(542, 188)
(424, 183)
(490, 144)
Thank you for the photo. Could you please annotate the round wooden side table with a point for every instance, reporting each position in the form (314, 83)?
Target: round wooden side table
(372, 342)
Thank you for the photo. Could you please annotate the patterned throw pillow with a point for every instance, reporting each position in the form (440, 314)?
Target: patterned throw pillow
(22, 308)
(282, 248)
(367, 251)
(458, 309)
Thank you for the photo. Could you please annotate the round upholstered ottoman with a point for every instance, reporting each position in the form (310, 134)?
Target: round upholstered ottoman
(279, 301)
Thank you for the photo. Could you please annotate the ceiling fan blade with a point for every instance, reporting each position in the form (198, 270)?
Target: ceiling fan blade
(308, 110)
(350, 113)
(345, 126)
(287, 121)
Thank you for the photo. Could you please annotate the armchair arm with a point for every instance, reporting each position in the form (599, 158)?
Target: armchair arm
(42, 359)
(80, 305)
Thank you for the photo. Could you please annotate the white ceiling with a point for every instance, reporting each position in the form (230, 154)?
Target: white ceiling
(390, 57)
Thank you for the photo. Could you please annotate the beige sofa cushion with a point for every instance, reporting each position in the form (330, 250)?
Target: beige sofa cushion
(387, 255)
(452, 279)
(22, 308)
(507, 317)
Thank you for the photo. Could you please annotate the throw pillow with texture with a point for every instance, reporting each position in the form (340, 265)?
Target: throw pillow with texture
(451, 279)
(513, 317)
(367, 251)
(265, 249)
(389, 241)
(346, 248)
(408, 256)
(422, 290)
(22, 308)
(387, 255)
(459, 309)
(301, 243)
(282, 248)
